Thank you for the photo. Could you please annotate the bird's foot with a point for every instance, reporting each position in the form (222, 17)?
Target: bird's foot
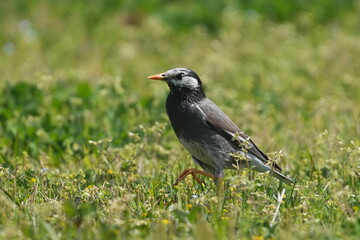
(193, 172)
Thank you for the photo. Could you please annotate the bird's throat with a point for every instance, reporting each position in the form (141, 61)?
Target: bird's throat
(184, 94)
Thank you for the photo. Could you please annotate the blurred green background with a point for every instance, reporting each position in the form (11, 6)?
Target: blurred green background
(75, 71)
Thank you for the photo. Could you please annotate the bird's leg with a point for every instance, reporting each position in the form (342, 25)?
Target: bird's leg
(193, 172)
(198, 180)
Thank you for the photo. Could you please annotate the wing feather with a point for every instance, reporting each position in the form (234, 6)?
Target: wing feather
(217, 120)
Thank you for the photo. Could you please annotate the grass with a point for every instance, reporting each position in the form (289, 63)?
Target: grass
(86, 149)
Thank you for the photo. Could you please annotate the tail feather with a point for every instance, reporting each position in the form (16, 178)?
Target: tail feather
(281, 177)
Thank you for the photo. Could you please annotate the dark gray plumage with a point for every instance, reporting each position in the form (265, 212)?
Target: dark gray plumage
(207, 132)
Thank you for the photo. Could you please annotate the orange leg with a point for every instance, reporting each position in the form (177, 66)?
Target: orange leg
(193, 171)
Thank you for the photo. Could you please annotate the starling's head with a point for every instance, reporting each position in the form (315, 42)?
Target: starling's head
(179, 78)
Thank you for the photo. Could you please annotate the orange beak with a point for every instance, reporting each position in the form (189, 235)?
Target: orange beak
(159, 76)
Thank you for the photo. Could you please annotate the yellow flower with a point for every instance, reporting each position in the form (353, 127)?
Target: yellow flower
(257, 238)
(355, 208)
(110, 171)
(165, 221)
(189, 206)
(90, 186)
(33, 180)
(145, 214)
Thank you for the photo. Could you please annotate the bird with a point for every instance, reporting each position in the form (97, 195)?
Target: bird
(214, 141)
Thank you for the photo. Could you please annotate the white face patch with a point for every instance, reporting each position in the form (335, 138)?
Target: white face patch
(187, 82)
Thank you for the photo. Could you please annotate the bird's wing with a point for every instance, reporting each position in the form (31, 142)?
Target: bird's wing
(217, 120)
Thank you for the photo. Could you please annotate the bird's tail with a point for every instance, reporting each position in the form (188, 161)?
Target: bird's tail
(281, 177)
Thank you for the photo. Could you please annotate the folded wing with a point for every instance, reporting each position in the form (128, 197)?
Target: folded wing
(217, 120)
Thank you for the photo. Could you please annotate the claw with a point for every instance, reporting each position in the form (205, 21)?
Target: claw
(193, 172)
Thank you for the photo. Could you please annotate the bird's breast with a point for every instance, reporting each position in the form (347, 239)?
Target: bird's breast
(205, 144)
(182, 115)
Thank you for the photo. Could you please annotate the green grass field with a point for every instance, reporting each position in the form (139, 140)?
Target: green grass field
(87, 151)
